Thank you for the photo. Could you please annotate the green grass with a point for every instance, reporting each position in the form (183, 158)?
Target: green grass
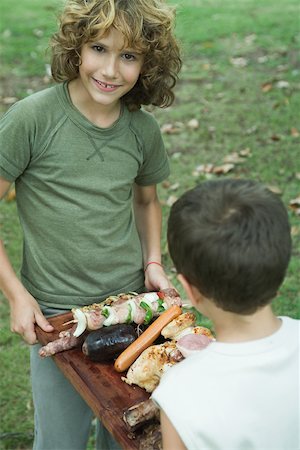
(239, 104)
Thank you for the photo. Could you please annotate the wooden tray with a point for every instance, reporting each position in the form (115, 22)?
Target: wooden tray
(99, 384)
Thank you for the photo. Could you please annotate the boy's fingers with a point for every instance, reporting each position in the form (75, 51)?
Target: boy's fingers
(43, 323)
(30, 337)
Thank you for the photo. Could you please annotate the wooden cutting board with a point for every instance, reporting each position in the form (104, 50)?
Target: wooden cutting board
(99, 384)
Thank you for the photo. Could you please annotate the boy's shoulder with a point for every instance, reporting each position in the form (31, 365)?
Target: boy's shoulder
(41, 100)
(35, 107)
(144, 118)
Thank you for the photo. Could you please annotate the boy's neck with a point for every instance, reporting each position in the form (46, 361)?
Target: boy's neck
(230, 327)
(103, 116)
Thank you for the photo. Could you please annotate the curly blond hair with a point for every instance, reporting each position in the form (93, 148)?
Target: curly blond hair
(147, 26)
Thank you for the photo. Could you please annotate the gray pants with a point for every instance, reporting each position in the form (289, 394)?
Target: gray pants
(62, 418)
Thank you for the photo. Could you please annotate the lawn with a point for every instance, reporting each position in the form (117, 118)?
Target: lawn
(236, 115)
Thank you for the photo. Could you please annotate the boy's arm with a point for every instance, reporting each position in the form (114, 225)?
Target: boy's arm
(170, 437)
(24, 309)
(148, 219)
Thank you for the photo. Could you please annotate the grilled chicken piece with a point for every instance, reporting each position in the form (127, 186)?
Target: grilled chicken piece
(177, 325)
(147, 370)
(183, 325)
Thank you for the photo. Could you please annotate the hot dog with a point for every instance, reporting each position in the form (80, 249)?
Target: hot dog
(129, 355)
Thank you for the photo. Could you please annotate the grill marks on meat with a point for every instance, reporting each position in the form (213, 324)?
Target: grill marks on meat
(148, 368)
(179, 324)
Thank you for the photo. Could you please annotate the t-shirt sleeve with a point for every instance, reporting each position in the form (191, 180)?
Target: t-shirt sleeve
(15, 142)
(155, 167)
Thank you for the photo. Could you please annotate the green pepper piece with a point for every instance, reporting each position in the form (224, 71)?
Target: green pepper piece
(129, 318)
(149, 314)
(160, 308)
(105, 312)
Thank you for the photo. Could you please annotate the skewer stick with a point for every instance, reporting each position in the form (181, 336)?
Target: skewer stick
(70, 321)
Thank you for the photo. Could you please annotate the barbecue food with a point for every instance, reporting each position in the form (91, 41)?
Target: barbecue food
(107, 343)
(145, 339)
(124, 308)
(182, 325)
(174, 328)
(151, 438)
(147, 370)
(66, 341)
(191, 343)
(141, 413)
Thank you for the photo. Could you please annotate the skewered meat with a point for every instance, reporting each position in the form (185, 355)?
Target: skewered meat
(137, 308)
(124, 308)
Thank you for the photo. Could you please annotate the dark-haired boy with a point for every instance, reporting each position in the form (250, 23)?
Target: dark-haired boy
(230, 242)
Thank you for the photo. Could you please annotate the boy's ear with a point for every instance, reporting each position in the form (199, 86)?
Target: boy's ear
(191, 291)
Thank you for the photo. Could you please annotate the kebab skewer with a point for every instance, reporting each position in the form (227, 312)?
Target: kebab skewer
(124, 308)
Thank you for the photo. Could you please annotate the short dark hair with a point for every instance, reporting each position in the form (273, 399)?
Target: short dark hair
(231, 239)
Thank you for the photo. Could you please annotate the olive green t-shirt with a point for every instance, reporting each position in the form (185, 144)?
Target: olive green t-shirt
(74, 184)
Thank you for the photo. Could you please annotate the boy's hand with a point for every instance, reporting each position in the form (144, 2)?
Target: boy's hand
(25, 314)
(156, 278)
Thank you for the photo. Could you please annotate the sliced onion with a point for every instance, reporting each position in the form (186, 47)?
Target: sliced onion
(150, 297)
(112, 318)
(133, 308)
(81, 322)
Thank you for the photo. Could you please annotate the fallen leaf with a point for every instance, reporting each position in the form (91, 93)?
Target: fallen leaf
(170, 128)
(275, 189)
(282, 84)
(225, 168)
(9, 100)
(176, 155)
(262, 59)
(266, 87)
(171, 200)
(251, 130)
(295, 132)
(239, 61)
(250, 38)
(193, 124)
(294, 204)
(203, 168)
(295, 231)
(275, 137)
(166, 184)
(233, 158)
(174, 186)
(245, 152)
